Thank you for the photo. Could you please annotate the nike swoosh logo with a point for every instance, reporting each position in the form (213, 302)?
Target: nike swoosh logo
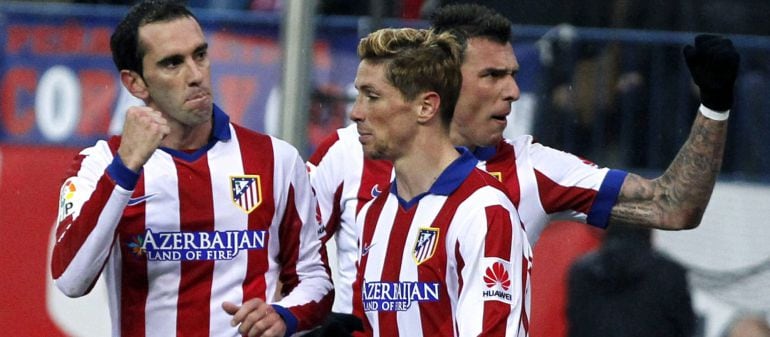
(139, 200)
(376, 190)
(366, 249)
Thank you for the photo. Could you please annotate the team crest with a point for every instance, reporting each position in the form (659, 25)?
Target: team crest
(425, 246)
(498, 175)
(246, 192)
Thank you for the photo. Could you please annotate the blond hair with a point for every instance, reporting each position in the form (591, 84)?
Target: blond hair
(416, 61)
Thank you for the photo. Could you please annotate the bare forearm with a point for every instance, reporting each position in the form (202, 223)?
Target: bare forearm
(678, 198)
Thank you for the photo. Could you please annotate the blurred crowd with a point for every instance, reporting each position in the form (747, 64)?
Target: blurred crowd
(725, 16)
(596, 97)
(728, 16)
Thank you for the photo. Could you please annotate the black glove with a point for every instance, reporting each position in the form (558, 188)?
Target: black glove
(713, 63)
(339, 325)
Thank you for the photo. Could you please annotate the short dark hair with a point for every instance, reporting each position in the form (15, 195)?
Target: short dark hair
(127, 53)
(466, 21)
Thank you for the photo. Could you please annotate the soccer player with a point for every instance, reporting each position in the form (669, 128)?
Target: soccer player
(200, 226)
(543, 182)
(443, 252)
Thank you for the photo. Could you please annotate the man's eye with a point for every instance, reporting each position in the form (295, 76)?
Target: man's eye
(169, 64)
(498, 74)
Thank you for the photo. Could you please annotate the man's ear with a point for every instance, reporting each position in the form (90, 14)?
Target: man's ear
(429, 107)
(135, 84)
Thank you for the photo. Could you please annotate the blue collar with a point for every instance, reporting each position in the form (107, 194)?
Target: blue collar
(221, 125)
(448, 181)
(485, 153)
(220, 132)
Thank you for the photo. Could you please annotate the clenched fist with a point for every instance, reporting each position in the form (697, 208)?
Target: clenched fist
(143, 131)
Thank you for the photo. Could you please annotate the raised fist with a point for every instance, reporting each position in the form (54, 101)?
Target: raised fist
(713, 64)
(143, 131)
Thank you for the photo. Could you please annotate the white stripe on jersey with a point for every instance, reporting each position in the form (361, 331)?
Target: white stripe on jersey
(160, 311)
(568, 175)
(228, 274)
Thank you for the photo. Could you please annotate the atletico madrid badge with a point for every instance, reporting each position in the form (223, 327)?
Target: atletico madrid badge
(425, 245)
(246, 192)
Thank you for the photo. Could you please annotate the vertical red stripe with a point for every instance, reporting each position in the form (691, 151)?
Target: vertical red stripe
(504, 162)
(368, 234)
(323, 148)
(376, 174)
(460, 266)
(288, 235)
(524, 279)
(557, 198)
(392, 267)
(61, 260)
(288, 255)
(333, 223)
(195, 209)
(134, 284)
(77, 232)
(499, 229)
(258, 159)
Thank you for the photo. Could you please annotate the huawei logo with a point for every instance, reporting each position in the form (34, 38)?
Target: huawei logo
(496, 274)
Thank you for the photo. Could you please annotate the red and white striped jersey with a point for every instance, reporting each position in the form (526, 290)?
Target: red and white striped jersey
(229, 222)
(545, 184)
(454, 261)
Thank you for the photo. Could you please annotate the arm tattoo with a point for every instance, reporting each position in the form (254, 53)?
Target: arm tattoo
(678, 198)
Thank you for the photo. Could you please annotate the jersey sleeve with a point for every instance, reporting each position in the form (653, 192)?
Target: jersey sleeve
(494, 272)
(306, 283)
(326, 179)
(574, 188)
(91, 203)
(335, 171)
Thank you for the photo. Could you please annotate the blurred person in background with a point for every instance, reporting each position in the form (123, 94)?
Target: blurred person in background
(543, 182)
(627, 289)
(327, 113)
(404, 9)
(746, 17)
(200, 226)
(599, 94)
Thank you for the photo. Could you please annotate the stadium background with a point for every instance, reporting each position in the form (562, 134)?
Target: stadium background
(59, 92)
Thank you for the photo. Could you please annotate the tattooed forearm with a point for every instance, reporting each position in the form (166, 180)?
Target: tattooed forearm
(678, 198)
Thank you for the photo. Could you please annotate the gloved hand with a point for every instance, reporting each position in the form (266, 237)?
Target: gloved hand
(713, 64)
(339, 325)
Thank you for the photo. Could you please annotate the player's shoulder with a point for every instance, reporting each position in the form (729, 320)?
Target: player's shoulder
(519, 144)
(262, 142)
(341, 145)
(520, 140)
(245, 134)
(103, 147)
(528, 150)
(484, 188)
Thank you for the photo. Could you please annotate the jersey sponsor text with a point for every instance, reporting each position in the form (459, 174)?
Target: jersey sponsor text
(397, 296)
(193, 246)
